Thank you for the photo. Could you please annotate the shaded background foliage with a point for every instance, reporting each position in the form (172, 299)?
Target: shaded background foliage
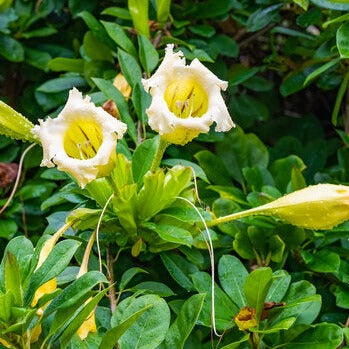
(287, 67)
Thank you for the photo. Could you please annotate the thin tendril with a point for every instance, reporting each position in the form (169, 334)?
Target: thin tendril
(17, 178)
(97, 232)
(211, 253)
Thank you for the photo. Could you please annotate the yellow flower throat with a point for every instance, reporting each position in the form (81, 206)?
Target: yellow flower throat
(83, 139)
(186, 98)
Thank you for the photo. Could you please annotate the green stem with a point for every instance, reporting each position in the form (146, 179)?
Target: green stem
(234, 217)
(159, 154)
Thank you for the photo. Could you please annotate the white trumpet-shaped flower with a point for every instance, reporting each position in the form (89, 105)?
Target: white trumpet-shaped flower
(186, 99)
(81, 140)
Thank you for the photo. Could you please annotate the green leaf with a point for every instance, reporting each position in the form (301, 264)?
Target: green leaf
(112, 336)
(203, 30)
(61, 84)
(321, 336)
(319, 71)
(171, 233)
(163, 189)
(279, 286)
(96, 28)
(139, 13)
(323, 261)
(341, 293)
(149, 330)
(163, 10)
(141, 101)
(11, 49)
(129, 68)
(113, 93)
(117, 33)
(293, 83)
(224, 45)
(6, 304)
(236, 345)
(232, 276)
(239, 150)
(148, 55)
(340, 5)
(262, 17)
(179, 268)
(76, 290)
(154, 287)
(37, 58)
(143, 158)
(117, 12)
(213, 166)
(55, 263)
(13, 279)
(256, 288)
(95, 49)
(38, 33)
(301, 303)
(128, 275)
(80, 318)
(66, 64)
(225, 309)
(23, 250)
(181, 328)
(343, 40)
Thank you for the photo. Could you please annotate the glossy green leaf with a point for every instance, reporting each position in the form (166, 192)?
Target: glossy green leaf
(129, 68)
(171, 233)
(321, 336)
(128, 275)
(117, 33)
(112, 336)
(149, 330)
(143, 158)
(179, 268)
(11, 49)
(225, 309)
(148, 55)
(343, 40)
(256, 288)
(232, 276)
(113, 93)
(139, 13)
(341, 5)
(75, 291)
(184, 323)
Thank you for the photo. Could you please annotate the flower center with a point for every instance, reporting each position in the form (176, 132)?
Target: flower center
(186, 98)
(83, 139)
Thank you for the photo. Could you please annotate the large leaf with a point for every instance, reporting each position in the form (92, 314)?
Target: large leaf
(179, 268)
(256, 288)
(184, 323)
(321, 336)
(225, 309)
(149, 330)
(112, 336)
(302, 302)
(232, 276)
(341, 5)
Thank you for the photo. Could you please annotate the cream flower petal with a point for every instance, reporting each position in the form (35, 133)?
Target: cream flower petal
(78, 116)
(174, 74)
